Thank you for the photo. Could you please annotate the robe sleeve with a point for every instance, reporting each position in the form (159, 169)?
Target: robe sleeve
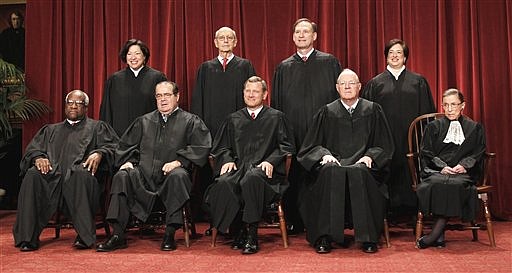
(199, 143)
(196, 106)
(381, 147)
(128, 149)
(312, 150)
(36, 148)
(105, 109)
(106, 143)
(285, 142)
(222, 150)
(477, 152)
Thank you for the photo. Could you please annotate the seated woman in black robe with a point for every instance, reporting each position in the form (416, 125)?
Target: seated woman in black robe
(450, 154)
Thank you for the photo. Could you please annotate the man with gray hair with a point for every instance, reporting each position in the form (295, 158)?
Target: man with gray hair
(60, 167)
(218, 92)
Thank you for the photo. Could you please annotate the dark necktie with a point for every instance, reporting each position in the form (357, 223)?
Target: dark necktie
(253, 116)
(224, 63)
(350, 110)
(304, 58)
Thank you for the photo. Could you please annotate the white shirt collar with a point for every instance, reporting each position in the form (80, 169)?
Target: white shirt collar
(353, 105)
(230, 57)
(256, 112)
(73, 122)
(136, 72)
(395, 72)
(307, 54)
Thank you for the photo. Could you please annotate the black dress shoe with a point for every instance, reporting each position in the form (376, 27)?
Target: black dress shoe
(113, 243)
(322, 245)
(369, 247)
(440, 244)
(168, 243)
(27, 246)
(79, 244)
(251, 246)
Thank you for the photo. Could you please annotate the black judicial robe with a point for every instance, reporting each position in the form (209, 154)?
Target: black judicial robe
(126, 97)
(218, 93)
(301, 88)
(67, 147)
(402, 101)
(347, 138)
(148, 144)
(450, 195)
(248, 142)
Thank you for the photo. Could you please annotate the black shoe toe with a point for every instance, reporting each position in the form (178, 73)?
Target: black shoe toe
(369, 247)
(323, 246)
(79, 244)
(168, 243)
(115, 242)
(26, 246)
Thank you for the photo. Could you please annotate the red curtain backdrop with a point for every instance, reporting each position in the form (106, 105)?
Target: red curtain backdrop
(459, 43)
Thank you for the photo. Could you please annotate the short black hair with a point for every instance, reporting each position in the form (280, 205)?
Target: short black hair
(143, 47)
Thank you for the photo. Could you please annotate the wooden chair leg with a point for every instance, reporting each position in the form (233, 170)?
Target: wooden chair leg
(419, 225)
(386, 232)
(214, 236)
(282, 224)
(186, 226)
(490, 230)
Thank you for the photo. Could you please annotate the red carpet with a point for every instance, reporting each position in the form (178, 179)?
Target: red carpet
(143, 254)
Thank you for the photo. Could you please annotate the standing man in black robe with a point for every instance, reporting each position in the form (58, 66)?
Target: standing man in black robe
(155, 158)
(59, 168)
(249, 150)
(348, 149)
(218, 92)
(129, 93)
(403, 95)
(302, 84)
(12, 41)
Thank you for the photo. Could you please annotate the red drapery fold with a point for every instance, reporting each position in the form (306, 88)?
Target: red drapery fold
(464, 44)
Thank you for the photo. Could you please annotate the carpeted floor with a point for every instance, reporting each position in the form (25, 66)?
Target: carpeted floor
(143, 254)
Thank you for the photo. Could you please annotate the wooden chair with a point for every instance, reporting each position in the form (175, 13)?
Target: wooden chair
(275, 208)
(415, 135)
(156, 219)
(59, 221)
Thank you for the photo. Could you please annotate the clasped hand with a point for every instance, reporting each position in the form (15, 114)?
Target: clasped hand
(459, 169)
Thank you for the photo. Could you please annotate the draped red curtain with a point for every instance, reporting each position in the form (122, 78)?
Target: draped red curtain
(458, 43)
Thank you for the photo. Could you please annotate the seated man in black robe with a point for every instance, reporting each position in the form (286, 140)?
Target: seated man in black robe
(249, 149)
(155, 156)
(348, 149)
(59, 168)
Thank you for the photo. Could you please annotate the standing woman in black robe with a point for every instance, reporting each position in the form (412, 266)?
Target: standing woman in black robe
(403, 95)
(129, 93)
(450, 154)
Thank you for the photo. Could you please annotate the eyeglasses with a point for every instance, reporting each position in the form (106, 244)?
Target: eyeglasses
(163, 95)
(77, 102)
(226, 38)
(451, 105)
(350, 83)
